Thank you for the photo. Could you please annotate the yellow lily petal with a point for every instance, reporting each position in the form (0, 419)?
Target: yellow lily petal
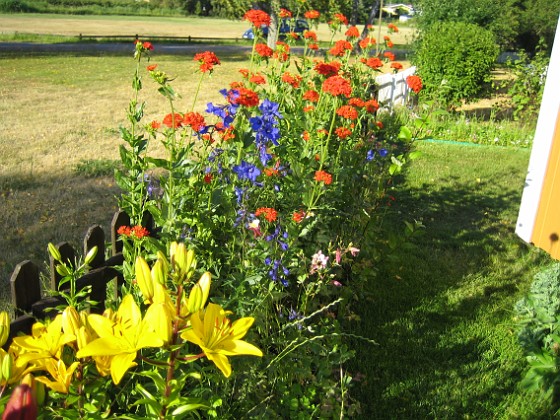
(102, 326)
(105, 346)
(221, 363)
(120, 364)
(235, 347)
(241, 326)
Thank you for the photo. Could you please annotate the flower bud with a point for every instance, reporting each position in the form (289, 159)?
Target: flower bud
(144, 279)
(55, 253)
(199, 293)
(4, 327)
(159, 274)
(71, 321)
(21, 405)
(90, 255)
(160, 317)
(62, 270)
(7, 367)
(182, 260)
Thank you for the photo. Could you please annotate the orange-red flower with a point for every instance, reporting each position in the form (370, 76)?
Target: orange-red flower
(347, 111)
(194, 120)
(291, 79)
(340, 48)
(343, 132)
(356, 102)
(327, 69)
(245, 97)
(313, 46)
(367, 42)
(337, 85)
(323, 176)
(390, 56)
(282, 52)
(298, 216)
(263, 50)
(371, 106)
(310, 35)
(173, 120)
(207, 60)
(257, 17)
(339, 18)
(372, 62)
(396, 66)
(392, 27)
(137, 231)
(311, 95)
(257, 79)
(284, 13)
(352, 32)
(312, 14)
(151, 67)
(268, 212)
(415, 83)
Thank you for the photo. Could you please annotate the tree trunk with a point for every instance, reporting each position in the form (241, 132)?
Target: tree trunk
(372, 14)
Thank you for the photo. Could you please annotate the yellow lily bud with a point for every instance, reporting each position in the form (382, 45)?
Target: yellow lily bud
(83, 337)
(144, 279)
(55, 253)
(4, 327)
(182, 260)
(159, 316)
(7, 367)
(161, 256)
(199, 293)
(159, 273)
(71, 321)
(90, 255)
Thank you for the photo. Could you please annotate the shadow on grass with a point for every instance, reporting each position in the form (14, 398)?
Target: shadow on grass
(441, 306)
(38, 209)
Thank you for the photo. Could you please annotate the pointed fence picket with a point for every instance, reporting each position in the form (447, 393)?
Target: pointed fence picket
(29, 301)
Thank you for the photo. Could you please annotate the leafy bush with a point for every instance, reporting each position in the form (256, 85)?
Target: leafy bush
(538, 321)
(455, 60)
(14, 6)
(526, 89)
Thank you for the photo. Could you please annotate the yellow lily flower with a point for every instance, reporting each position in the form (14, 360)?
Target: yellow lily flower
(121, 338)
(60, 373)
(218, 337)
(44, 343)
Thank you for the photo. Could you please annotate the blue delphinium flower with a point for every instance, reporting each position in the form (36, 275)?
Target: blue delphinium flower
(266, 128)
(247, 171)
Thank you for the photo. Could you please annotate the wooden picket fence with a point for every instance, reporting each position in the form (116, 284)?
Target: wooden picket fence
(29, 301)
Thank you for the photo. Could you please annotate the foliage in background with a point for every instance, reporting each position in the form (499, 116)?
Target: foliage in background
(526, 89)
(538, 324)
(455, 60)
(513, 23)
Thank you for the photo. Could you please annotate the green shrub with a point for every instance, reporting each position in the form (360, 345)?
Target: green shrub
(526, 89)
(13, 6)
(538, 321)
(455, 60)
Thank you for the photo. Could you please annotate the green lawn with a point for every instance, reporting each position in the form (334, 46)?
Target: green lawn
(441, 307)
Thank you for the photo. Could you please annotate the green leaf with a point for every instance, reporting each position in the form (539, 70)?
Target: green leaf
(405, 133)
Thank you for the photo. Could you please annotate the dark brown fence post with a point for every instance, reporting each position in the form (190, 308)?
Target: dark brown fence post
(25, 287)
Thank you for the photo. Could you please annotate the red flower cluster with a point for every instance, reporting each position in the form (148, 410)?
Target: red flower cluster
(284, 13)
(292, 80)
(322, 176)
(173, 120)
(311, 95)
(415, 83)
(263, 50)
(243, 96)
(340, 48)
(343, 132)
(269, 213)
(145, 45)
(298, 216)
(367, 42)
(312, 14)
(352, 32)
(392, 27)
(337, 85)
(371, 106)
(339, 18)
(347, 111)
(257, 17)
(396, 66)
(310, 35)
(389, 55)
(282, 52)
(327, 69)
(151, 67)
(137, 231)
(257, 79)
(207, 60)
(372, 62)
(194, 120)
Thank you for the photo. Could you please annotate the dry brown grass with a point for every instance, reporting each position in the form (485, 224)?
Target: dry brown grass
(152, 26)
(57, 112)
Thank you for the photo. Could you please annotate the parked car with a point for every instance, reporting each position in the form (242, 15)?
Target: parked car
(286, 26)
